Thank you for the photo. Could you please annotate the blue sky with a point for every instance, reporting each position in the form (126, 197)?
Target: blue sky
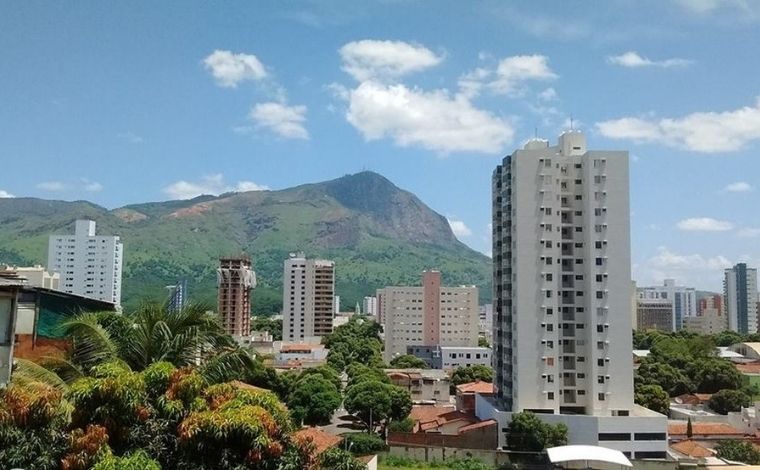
(130, 102)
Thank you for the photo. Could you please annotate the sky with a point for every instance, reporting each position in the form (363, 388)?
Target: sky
(127, 102)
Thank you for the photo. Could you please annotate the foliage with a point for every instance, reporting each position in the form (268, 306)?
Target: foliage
(527, 432)
(483, 342)
(357, 341)
(139, 460)
(404, 425)
(370, 401)
(274, 327)
(86, 446)
(712, 375)
(363, 444)
(672, 380)
(408, 361)
(339, 459)
(729, 400)
(728, 337)
(313, 400)
(463, 375)
(328, 373)
(652, 397)
(739, 451)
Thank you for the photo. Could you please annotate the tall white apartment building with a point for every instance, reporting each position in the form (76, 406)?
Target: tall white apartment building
(562, 296)
(428, 315)
(683, 300)
(308, 298)
(740, 292)
(369, 306)
(88, 264)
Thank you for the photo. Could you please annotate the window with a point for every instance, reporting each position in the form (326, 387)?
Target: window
(601, 398)
(550, 361)
(549, 327)
(550, 379)
(649, 436)
(548, 260)
(578, 182)
(548, 276)
(599, 261)
(548, 294)
(600, 379)
(579, 229)
(599, 294)
(598, 245)
(549, 311)
(550, 396)
(600, 345)
(600, 362)
(649, 454)
(598, 278)
(600, 328)
(578, 197)
(614, 436)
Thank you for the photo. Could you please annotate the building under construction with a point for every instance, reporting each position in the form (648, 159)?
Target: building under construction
(235, 280)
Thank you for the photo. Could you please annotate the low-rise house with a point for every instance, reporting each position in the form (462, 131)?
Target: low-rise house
(444, 426)
(465, 394)
(424, 385)
(303, 354)
(321, 440)
(692, 449)
(703, 431)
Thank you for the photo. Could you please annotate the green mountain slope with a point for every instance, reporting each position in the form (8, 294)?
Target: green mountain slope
(376, 233)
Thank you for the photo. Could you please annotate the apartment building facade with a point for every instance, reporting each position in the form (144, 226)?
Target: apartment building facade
(562, 295)
(235, 281)
(683, 300)
(654, 314)
(308, 298)
(428, 315)
(89, 265)
(740, 293)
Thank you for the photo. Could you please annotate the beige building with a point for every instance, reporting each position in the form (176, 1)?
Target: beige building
(424, 385)
(428, 315)
(235, 280)
(710, 319)
(36, 276)
(654, 314)
(308, 298)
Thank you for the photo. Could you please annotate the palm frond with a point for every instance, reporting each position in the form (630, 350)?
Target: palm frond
(27, 372)
(92, 344)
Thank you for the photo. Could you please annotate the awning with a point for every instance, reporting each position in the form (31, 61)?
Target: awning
(587, 453)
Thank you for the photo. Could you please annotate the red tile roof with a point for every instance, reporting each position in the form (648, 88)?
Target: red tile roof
(748, 368)
(692, 449)
(425, 413)
(704, 429)
(321, 440)
(476, 387)
(478, 425)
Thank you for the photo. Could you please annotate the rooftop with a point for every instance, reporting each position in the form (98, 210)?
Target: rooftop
(434, 374)
(321, 440)
(692, 449)
(476, 387)
(704, 429)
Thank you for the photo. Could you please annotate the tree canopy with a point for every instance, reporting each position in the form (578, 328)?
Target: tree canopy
(526, 432)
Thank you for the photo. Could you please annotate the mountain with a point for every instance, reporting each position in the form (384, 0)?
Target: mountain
(376, 233)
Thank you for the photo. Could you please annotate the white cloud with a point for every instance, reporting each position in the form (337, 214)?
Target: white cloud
(459, 228)
(91, 186)
(704, 224)
(5, 194)
(705, 272)
(550, 94)
(373, 60)
(230, 69)
(749, 9)
(131, 137)
(633, 59)
(434, 120)
(748, 232)
(738, 187)
(285, 121)
(52, 186)
(513, 71)
(211, 185)
(706, 132)
(667, 259)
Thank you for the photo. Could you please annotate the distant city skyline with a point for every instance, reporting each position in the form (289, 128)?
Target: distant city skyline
(119, 104)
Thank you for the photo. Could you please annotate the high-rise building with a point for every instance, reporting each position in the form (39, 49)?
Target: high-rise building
(88, 264)
(683, 300)
(369, 306)
(308, 298)
(177, 296)
(710, 319)
(654, 314)
(740, 292)
(429, 315)
(235, 279)
(562, 296)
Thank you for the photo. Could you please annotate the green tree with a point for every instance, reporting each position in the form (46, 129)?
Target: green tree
(527, 432)
(483, 342)
(739, 451)
(274, 327)
(328, 373)
(672, 380)
(401, 403)
(363, 444)
(727, 338)
(408, 361)
(313, 400)
(689, 429)
(139, 460)
(370, 401)
(714, 374)
(729, 400)
(338, 459)
(652, 397)
(463, 375)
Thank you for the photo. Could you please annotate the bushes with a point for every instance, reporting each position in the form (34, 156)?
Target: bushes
(136, 461)
(363, 444)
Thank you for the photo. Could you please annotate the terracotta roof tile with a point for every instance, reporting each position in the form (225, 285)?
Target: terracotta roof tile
(704, 429)
(692, 449)
(749, 368)
(427, 413)
(476, 387)
(478, 425)
(321, 440)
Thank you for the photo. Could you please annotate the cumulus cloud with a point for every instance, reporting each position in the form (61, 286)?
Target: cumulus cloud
(434, 120)
(372, 59)
(230, 69)
(52, 186)
(738, 187)
(210, 185)
(5, 194)
(749, 9)
(704, 224)
(459, 228)
(689, 269)
(91, 186)
(633, 59)
(748, 232)
(509, 76)
(550, 94)
(706, 132)
(285, 121)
